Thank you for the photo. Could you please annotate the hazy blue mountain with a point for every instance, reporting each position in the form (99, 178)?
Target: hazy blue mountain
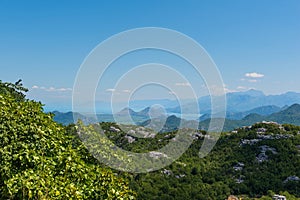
(287, 98)
(170, 123)
(129, 116)
(141, 104)
(237, 102)
(262, 110)
(107, 107)
(243, 101)
(126, 116)
(253, 99)
(230, 124)
(126, 111)
(70, 117)
(290, 115)
(144, 112)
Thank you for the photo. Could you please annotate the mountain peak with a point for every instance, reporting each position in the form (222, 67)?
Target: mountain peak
(144, 111)
(253, 92)
(126, 111)
(295, 107)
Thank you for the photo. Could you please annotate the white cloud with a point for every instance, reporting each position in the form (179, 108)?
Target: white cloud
(110, 90)
(229, 90)
(63, 89)
(187, 84)
(52, 89)
(241, 88)
(126, 91)
(254, 75)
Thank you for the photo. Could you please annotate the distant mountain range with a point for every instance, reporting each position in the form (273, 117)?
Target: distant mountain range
(288, 115)
(238, 102)
(126, 116)
(243, 108)
(263, 110)
(66, 118)
(170, 123)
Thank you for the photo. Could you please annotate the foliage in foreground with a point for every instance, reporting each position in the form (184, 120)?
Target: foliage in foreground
(40, 160)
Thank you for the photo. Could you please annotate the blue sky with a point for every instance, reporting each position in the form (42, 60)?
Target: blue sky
(255, 44)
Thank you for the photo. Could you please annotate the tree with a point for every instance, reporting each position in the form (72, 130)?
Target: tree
(15, 90)
(39, 159)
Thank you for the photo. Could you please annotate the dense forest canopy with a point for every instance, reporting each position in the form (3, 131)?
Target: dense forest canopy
(40, 159)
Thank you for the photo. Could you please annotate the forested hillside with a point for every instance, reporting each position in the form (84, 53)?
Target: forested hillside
(40, 159)
(252, 162)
